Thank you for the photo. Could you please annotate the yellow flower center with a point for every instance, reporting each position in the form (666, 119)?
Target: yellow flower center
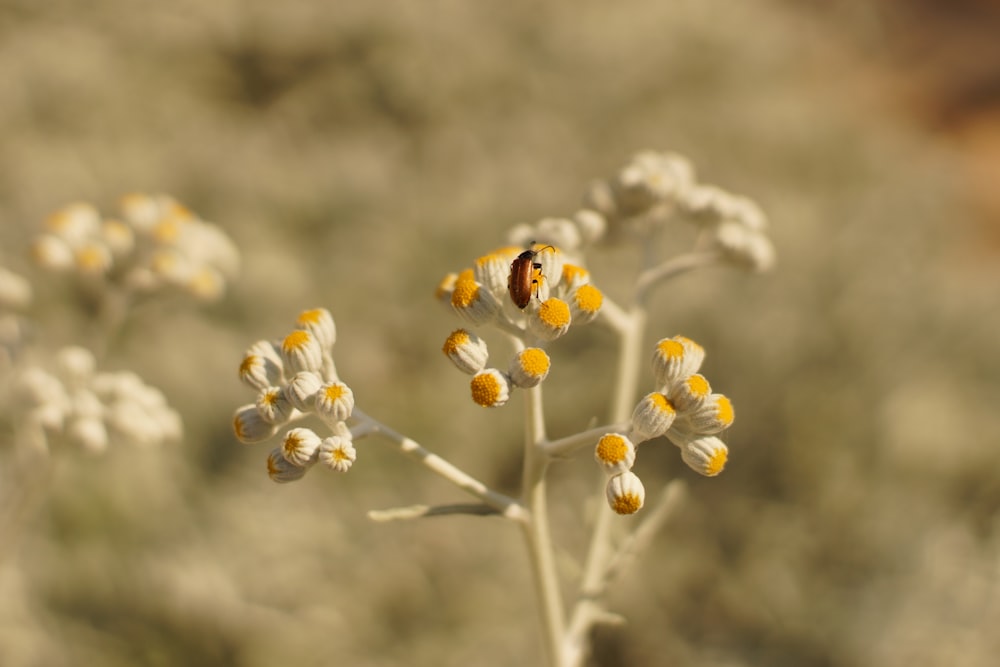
(572, 273)
(555, 313)
(724, 409)
(716, 463)
(698, 385)
(535, 362)
(333, 392)
(296, 340)
(310, 316)
(485, 389)
(670, 349)
(588, 298)
(612, 449)
(457, 339)
(627, 503)
(662, 403)
(466, 290)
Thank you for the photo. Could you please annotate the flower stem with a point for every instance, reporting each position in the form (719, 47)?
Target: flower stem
(589, 608)
(506, 506)
(537, 532)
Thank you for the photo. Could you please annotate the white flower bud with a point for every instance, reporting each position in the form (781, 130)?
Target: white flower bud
(473, 301)
(674, 359)
(76, 364)
(490, 388)
(89, 433)
(467, 351)
(652, 417)
(118, 236)
(706, 455)
(15, 291)
(280, 470)
(625, 493)
(334, 402)
(301, 351)
(551, 319)
(93, 257)
(261, 366)
(337, 452)
(560, 232)
(591, 225)
(492, 270)
(274, 406)
(529, 367)
(75, 222)
(300, 446)
(52, 253)
(301, 390)
(585, 304)
(715, 414)
(249, 426)
(690, 393)
(615, 453)
(745, 247)
(319, 322)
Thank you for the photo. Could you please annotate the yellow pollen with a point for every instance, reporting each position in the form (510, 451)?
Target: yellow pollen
(248, 363)
(334, 391)
(627, 503)
(670, 349)
(485, 389)
(612, 449)
(309, 316)
(179, 212)
(716, 463)
(446, 285)
(271, 397)
(90, 258)
(295, 340)
(555, 313)
(133, 200)
(466, 290)
(57, 221)
(238, 427)
(572, 272)
(292, 443)
(167, 231)
(698, 385)
(116, 230)
(457, 339)
(534, 361)
(724, 410)
(340, 455)
(662, 403)
(272, 466)
(488, 259)
(206, 284)
(588, 298)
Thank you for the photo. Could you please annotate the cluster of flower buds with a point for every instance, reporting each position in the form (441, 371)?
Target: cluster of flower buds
(683, 408)
(90, 408)
(15, 294)
(157, 243)
(295, 377)
(557, 293)
(653, 188)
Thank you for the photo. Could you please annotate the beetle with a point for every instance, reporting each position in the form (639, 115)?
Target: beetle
(522, 277)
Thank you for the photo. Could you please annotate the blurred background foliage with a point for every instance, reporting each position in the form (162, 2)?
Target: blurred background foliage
(359, 151)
